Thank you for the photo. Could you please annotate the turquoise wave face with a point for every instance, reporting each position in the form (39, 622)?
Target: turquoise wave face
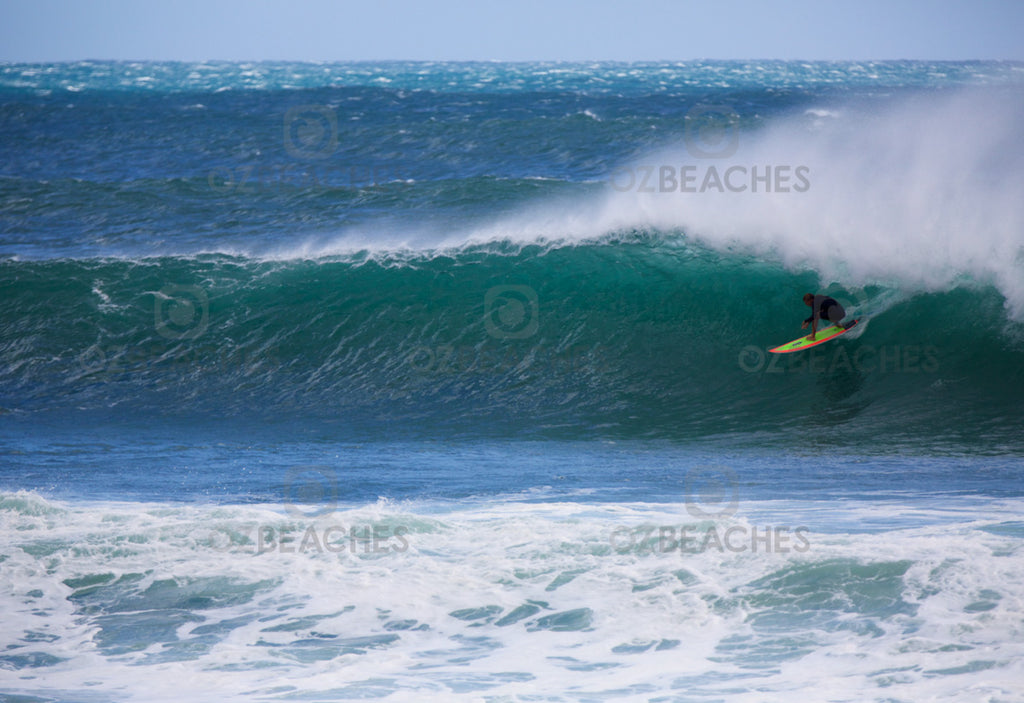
(641, 336)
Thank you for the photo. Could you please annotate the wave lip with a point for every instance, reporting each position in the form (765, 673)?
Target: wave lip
(921, 192)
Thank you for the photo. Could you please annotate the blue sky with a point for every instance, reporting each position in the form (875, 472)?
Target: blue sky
(634, 30)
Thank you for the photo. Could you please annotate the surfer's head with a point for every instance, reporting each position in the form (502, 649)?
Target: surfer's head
(808, 298)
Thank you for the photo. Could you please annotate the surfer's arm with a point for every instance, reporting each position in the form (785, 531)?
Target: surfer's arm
(813, 319)
(814, 327)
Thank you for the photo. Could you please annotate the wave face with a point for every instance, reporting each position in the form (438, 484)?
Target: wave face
(640, 336)
(525, 248)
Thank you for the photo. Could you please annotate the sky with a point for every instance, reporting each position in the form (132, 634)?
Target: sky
(510, 30)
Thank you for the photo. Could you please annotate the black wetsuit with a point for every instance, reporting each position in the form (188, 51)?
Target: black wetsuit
(826, 308)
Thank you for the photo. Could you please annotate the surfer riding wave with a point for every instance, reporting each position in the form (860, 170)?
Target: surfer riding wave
(823, 308)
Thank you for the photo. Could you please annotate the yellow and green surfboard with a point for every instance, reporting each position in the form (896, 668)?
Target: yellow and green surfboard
(801, 343)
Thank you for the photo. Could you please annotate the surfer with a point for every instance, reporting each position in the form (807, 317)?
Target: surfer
(823, 308)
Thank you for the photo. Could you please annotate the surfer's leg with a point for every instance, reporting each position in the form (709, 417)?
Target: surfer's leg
(835, 314)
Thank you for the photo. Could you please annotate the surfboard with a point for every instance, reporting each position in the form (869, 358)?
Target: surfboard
(801, 343)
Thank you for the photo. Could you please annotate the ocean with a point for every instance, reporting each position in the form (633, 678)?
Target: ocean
(450, 381)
